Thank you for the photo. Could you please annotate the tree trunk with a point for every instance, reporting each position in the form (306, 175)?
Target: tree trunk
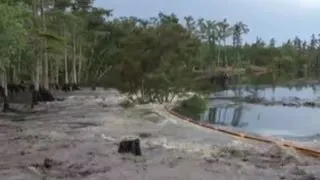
(4, 92)
(74, 62)
(45, 62)
(52, 72)
(19, 67)
(57, 73)
(88, 67)
(14, 75)
(79, 64)
(38, 72)
(219, 51)
(66, 80)
(35, 90)
(225, 55)
(45, 69)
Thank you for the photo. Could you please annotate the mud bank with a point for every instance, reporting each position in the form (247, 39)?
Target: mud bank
(78, 139)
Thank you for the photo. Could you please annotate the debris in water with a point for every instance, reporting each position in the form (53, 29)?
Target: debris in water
(145, 135)
(47, 163)
(130, 145)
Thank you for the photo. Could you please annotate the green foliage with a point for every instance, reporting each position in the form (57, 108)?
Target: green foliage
(12, 32)
(192, 107)
(152, 60)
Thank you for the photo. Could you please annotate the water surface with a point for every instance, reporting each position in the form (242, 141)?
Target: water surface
(299, 123)
(308, 92)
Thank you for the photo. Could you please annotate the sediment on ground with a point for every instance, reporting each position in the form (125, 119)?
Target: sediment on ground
(78, 139)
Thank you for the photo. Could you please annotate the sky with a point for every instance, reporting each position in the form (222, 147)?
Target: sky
(279, 19)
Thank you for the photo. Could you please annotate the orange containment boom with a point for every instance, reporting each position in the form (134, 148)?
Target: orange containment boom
(304, 150)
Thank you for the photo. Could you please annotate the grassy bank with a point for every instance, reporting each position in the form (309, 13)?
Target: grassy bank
(192, 107)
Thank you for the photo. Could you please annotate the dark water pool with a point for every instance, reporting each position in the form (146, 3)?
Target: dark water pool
(298, 123)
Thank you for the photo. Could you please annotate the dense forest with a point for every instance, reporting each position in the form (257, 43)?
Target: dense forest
(70, 43)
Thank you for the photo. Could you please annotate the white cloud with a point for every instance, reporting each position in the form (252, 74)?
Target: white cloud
(289, 8)
(305, 4)
(280, 4)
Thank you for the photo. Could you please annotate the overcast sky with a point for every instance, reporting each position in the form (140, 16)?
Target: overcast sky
(280, 19)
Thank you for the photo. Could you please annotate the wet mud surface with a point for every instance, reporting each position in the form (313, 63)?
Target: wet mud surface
(78, 139)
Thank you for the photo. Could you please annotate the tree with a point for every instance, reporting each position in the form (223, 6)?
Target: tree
(70, 42)
(13, 39)
(225, 32)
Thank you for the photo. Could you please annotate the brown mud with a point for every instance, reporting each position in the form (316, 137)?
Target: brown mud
(78, 139)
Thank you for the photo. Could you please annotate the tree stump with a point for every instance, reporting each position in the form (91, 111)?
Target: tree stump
(46, 95)
(75, 87)
(66, 87)
(5, 107)
(22, 86)
(130, 145)
(13, 88)
(57, 86)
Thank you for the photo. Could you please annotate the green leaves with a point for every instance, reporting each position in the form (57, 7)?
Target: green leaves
(154, 56)
(13, 35)
(158, 55)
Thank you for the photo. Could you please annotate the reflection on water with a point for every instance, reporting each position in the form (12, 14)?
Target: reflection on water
(286, 122)
(308, 92)
(228, 115)
(298, 123)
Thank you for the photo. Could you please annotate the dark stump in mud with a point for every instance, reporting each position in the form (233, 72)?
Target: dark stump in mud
(13, 88)
(47, 164)
(130, 146)
(22, 86)
(35, 98)
(75, 87)
(54, 86)
(93, 88)
(57, 86)
(43, 95)
(66, 87)
(31, 87)
(5, 107)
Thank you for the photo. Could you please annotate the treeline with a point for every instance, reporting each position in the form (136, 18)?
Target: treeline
(67, 43)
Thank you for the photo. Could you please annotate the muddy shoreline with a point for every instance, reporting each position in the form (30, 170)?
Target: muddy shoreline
(77, 139)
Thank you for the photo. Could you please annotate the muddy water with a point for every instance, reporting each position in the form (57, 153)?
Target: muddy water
(297, 123)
